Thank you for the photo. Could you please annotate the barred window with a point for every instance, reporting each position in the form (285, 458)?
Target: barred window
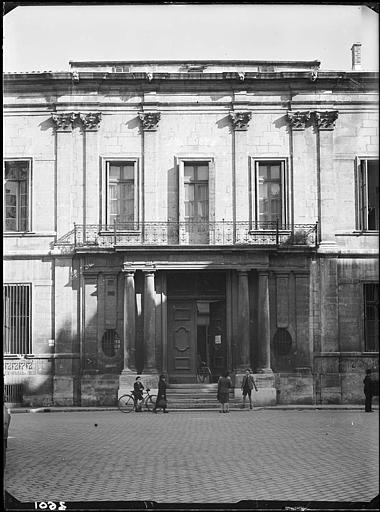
(17, 305)
(282, 342)
(371, 317)
(110, 343)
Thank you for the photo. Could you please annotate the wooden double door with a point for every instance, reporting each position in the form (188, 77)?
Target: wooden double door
(196, 332)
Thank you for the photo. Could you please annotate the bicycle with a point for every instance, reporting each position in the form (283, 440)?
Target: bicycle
(128, 403)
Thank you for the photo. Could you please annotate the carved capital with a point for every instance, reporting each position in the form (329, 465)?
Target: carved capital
(63, 122)
(91, 120)
(326, 120)
(240, 120)
(298, 120)
(150, 120)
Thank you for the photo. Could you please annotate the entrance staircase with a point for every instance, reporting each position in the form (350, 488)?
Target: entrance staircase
(196, 396)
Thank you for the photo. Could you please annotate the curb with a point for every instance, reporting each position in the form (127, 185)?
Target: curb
(200, 409)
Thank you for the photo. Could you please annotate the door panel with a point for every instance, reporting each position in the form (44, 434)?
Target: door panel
(182, 341)
(217, 339)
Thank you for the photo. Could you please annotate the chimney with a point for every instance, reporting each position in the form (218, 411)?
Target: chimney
(356, 51)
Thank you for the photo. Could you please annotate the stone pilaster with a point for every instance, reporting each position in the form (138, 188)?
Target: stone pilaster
(240, 123)
(297, 123)
(327, 200)
(63, 124)
(91, 122)
(149, 125)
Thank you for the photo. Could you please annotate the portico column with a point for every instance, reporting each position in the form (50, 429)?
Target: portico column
(243, 312)
(129, 321)
(327, 180)
(264, 324)
(150, 365)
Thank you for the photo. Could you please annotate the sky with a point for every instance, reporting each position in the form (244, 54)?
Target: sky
(46, 38)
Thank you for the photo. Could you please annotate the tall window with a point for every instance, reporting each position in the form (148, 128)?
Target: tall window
(371, 317)
(196, 192)
(16, 195)
(368, 189)
(269, 194)
(121, 194)
(17, 318)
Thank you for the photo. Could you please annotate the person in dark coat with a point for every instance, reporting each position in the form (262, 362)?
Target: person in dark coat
(138, 389)
(224, 385)
(161, 395)
(368, 390)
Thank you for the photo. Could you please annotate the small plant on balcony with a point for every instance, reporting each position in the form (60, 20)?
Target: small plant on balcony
(296, 238)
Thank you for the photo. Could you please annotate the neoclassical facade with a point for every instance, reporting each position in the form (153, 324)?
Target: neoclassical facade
(159, 214)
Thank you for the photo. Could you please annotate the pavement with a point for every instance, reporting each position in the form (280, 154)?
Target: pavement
(271, 454)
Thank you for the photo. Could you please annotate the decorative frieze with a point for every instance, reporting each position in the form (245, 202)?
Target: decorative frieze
(64, 122)
(91, 120)
(326, 120)
(149, 120)
(297, 120)
(240, 120)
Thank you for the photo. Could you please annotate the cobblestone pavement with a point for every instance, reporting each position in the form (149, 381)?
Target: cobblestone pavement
(194, 456)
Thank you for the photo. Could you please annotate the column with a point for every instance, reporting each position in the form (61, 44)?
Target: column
(63, 123)
(129, 322)
(243, 312)
(301, 176)
(240, 122)
(91, 122)
(149, 124)
(149, 323)
(264, 324)
(164, 322)
(326, 179)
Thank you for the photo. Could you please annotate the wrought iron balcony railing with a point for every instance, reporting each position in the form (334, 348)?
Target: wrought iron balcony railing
(221, 233)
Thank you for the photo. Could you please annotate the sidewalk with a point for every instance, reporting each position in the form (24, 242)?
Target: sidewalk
(291, 407)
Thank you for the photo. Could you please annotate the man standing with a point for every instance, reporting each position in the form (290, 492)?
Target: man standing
(247, 385)
(368, 390)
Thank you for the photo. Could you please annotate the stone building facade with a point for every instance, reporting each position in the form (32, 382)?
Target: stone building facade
(159, 214)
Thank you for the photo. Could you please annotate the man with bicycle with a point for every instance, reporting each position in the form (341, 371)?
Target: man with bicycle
(138, 389)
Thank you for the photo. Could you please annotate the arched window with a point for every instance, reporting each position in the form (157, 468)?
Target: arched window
(282, 342)
(110, 342)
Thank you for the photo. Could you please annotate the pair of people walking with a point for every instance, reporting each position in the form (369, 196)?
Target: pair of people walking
(225, 384)
(161, 401)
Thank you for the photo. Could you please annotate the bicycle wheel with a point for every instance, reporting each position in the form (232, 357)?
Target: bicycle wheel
(126, 403)
(151, 402)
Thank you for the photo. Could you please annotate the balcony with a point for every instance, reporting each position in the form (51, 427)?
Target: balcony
(174, 234)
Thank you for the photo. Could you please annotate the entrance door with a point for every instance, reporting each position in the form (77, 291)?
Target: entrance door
(181, 341)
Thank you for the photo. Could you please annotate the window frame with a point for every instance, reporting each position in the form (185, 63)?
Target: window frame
(106, 161)
(30, 318)
(285, 184)
(29, 195)
(362, 210)
(180, 164)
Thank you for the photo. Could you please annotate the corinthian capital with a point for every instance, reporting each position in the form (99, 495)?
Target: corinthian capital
(63, 122)
(150, 120)
(240, 120)
(298, 120)
(91, 120)
(326, 120)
